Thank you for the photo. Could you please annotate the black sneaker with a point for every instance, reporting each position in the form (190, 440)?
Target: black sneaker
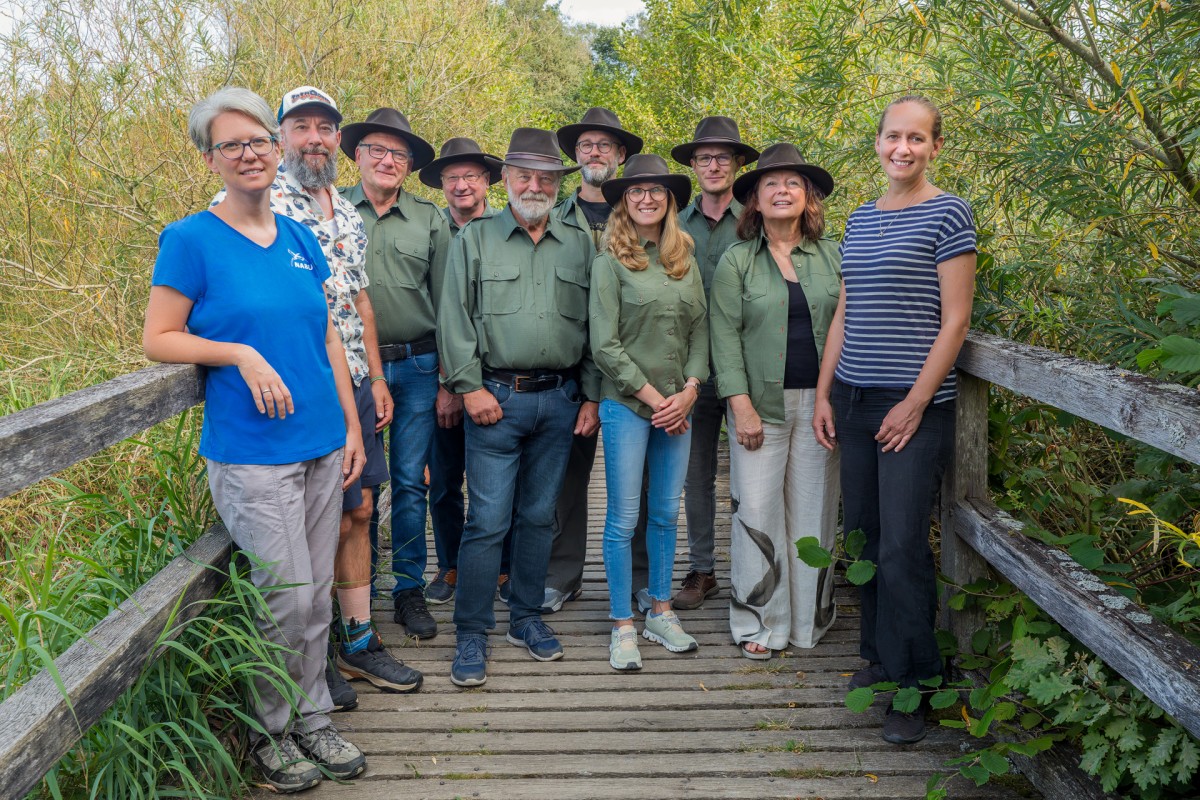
(900, 727)
(868, 676)
(441, 588)
(413, 614)
(340, 691)
(381, 668)
(283, 765)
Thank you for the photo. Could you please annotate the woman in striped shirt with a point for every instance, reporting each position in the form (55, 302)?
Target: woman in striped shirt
(886, 392)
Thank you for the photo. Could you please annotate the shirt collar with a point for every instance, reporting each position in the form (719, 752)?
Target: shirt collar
(510, 225)
(805, 245)
(358, 197)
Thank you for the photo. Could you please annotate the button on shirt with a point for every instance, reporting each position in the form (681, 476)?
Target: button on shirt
(344, 242)
(406, 263)
(748, 317)
(712, 238)
(646, 327)
(514, 305)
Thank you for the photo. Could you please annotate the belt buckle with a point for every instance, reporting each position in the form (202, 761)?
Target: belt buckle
(517, 379)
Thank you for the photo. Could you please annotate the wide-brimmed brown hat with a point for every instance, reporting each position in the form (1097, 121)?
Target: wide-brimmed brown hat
(782, 156)
(533, 148)
(387, 120)
(597, 119)
(459, 150)
(714, 130)
(648, 168)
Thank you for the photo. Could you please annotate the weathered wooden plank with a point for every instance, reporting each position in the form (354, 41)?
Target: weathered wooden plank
(1162, 664)
(859, 785)
(52, 436)
(662, 700)
(435, 666)
(1164, 415)
(710, 677)
(38, 725)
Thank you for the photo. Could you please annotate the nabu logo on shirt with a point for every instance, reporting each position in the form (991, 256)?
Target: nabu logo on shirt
(299, 261)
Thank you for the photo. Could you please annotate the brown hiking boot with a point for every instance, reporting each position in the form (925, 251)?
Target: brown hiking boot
(696, 586)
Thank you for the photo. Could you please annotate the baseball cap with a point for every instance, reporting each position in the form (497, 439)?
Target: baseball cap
(308, 97)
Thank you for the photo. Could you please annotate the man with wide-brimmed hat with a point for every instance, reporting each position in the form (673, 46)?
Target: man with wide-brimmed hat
(463, 175)
(408, 240)
(715, 154)
(512, 331)
(600, 145)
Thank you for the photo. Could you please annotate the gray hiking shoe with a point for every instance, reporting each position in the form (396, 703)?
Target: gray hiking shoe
(283, 765)
(327, 747)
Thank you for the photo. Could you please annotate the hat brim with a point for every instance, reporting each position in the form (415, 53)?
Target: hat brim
(678, 185)
(819, 177)
(682, 153)
(315, 105)
(568, 135)
(352, 134)
(533, 163)
(431, 173)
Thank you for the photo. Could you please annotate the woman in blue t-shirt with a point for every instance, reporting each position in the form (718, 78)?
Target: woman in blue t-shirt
(239, 289)
(887, 378)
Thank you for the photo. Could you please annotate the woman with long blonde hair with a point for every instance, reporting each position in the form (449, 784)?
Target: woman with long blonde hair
(649, 337)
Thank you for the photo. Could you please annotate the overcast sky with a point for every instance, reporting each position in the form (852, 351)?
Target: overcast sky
(601, 12)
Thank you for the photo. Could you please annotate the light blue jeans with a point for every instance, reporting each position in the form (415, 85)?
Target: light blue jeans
(631, 443)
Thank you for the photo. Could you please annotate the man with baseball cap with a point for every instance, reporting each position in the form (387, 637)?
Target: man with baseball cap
(405, 258)
(715, 154)
(463, 175)
(512, 331)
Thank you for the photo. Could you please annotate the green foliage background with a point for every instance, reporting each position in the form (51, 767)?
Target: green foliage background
(1072, 127)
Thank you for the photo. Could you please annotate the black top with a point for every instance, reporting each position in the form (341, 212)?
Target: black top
(802, 367)
(595, 213)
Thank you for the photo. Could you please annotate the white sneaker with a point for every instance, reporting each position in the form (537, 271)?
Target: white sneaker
(665, 629)
(623, 653)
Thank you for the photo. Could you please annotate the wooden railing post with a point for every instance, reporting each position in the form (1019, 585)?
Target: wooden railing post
(965, 477)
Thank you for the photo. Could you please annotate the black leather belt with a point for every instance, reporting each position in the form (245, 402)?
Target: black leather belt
(537, 380)
(399, 352)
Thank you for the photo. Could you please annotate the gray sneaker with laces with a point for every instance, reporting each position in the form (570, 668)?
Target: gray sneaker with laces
(283, 765)
(327, 747)
(623, 653)
(665, 629)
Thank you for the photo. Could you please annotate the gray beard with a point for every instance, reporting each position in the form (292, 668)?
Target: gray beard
(309, 178)
(594, 176)
(532, 211)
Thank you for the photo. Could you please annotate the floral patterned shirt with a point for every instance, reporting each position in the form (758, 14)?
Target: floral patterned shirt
(345, 247)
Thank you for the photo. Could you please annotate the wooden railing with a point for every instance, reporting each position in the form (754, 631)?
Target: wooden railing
(39, 723)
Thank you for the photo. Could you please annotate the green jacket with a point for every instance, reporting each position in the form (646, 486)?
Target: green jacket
(748, 317)
(510, 304)
(711, 242)
(406, 263)
(646, 327)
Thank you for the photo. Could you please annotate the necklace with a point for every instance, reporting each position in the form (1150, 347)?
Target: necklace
(911, 197)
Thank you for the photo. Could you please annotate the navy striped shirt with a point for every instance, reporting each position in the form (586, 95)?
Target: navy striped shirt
(893, 301)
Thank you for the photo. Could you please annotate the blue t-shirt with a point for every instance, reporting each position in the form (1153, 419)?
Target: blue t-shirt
(272, 299)
(893, 301)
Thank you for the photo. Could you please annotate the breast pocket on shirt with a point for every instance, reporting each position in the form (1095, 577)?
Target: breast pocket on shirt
(571, 292)
(499, 289)
(413, 263)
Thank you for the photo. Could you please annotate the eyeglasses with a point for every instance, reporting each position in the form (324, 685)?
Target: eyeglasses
(378, 151)
(603, 148)
(725, 159)
(259, 145)
(469, 177)
(636, 193)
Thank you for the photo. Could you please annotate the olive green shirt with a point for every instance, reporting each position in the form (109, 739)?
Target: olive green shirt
(646, 327)
(514, 305)
(748, 317)
(488, 211)
(712, 240)
(406, 263)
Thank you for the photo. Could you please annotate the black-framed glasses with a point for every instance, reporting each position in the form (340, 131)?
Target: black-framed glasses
(378, 151)
(233, 150)
(604, 148)
(724, 160)
(636, 193)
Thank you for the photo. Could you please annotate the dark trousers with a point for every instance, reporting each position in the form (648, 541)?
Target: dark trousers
(890, 497)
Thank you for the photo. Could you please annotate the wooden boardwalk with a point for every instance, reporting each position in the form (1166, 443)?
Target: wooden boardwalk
(707, 724)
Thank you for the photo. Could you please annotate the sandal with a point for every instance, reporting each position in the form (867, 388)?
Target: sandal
(765, 655)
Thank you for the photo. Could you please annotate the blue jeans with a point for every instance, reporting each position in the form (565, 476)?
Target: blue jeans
(631, 443)
(413, 383)
(515, 469)
(447, 510)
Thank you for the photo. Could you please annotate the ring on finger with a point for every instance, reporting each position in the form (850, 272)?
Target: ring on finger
(266, 391)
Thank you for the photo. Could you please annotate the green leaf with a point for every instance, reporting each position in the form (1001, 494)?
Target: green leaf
(943, 699)
(859, 700)
(993, 762)
(1149, 356)
(860, 572)
(1186, 310)
(981, 640)
(1030, 720)
(977, 773)
(1187, 759)
(856, 540)
(1182, 354)
(809, 550)
(907, 699)
(957, 601)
